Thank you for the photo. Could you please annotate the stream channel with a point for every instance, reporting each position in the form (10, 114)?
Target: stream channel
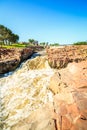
(25, 90)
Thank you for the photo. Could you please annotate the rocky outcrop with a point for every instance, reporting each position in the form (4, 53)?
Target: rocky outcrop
(70, 101)
(26, 53)
(37, 48)
(11, 58)
(68, 111)
(38, 63)
(59, 57)
(70, 86)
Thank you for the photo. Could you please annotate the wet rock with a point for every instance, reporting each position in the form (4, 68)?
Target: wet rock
(38, 63)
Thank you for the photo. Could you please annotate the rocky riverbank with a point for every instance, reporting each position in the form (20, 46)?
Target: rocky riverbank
(59, 57)
(11, 58)
(70, 101)
(38, 97)
(69, 85)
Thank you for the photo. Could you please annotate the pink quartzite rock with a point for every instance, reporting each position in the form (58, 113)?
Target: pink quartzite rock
(59, 57)
(70, 101)
(10, 58)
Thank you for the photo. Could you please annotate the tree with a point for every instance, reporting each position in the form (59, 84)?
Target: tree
(31, 41)
(44, 43)
(55, 44)
(7, 36)
(2, 33)
(13, 38)
(80, 43)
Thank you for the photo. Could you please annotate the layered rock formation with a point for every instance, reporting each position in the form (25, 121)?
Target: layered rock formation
(61, 56)
(11, 58)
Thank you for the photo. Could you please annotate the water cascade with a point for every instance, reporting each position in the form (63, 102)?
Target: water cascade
(26, 90)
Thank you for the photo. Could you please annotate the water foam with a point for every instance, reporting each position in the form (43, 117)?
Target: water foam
(23, 92)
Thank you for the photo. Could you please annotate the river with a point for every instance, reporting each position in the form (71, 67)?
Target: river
(25, 90)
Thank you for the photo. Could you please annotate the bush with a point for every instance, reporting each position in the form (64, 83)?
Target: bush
(80, 43)
(55, 44)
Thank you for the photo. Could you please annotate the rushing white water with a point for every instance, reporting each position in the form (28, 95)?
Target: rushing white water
(25, 91)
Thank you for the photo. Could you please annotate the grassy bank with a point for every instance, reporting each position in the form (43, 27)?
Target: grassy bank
(16, 45)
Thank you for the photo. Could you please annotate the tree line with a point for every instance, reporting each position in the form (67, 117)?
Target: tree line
(7, 36)
(35, 42)
(80, 43)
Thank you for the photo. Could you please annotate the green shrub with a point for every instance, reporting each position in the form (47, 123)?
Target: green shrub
(80, 43)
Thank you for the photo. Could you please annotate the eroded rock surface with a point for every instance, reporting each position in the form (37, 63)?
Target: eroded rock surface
(70, 101)
(59, 57)
(10, 58)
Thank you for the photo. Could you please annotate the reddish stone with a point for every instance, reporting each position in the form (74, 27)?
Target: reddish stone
(66, 124)
(66, 54)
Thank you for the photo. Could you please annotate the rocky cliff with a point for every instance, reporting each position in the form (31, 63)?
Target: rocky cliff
(11, 58)
(59, 57)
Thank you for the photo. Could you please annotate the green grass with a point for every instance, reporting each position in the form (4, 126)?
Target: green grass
(16, 45)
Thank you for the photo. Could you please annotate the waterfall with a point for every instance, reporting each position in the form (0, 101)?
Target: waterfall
(24, 91)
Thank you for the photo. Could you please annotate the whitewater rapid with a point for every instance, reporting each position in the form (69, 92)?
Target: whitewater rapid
(26, 90)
